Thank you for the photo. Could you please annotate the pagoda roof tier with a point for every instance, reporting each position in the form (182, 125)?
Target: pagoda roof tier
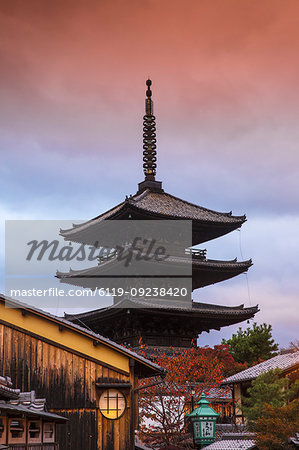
(204, 272)
(161, 325)
(151, 204)
(212, 271)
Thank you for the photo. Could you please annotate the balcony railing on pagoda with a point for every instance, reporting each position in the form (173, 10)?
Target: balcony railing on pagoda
(197, 253)
(106, 256)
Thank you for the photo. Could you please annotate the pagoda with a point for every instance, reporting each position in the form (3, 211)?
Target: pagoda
(160, 323)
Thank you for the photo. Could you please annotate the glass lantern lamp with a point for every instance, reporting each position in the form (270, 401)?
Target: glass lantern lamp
(203, 419)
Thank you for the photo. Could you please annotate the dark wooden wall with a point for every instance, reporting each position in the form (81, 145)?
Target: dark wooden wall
(67, 381)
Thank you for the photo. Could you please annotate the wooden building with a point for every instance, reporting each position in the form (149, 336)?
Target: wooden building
(288, 363)
(25, 423)
(160, 325)
(85, 377)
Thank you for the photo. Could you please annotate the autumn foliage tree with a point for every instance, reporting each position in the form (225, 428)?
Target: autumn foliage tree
(276, 425)
(163, 407)
(272, 409)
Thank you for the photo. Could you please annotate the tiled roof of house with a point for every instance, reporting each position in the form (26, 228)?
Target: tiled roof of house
(6, 388)
(24, 403)
(21, 409)
(238, 444)
(29, 400)
(283, 362)
(219, 394)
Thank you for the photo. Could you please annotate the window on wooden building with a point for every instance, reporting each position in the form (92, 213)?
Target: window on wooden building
(34, 431)
(112, 404)
(17, 431)
(3, 429)
(48, 432)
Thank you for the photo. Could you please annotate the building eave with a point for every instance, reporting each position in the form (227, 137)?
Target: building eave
(207, 224)
(149, 368)
(285, 363)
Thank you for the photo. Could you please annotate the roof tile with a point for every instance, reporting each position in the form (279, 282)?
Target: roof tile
(239, 444)
(282, 362)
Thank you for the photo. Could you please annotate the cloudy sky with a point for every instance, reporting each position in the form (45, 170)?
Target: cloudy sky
(225, 89)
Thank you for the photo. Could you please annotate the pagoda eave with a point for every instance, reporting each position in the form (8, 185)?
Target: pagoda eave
(161, 326)
(210, 272)
(204, 272)
(206, 224)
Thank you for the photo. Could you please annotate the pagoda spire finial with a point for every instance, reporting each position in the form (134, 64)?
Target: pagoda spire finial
(149, 137)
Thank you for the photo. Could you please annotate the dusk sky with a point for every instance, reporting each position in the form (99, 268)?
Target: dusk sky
(225, 89)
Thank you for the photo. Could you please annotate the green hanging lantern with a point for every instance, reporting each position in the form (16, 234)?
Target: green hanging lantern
(203, 419)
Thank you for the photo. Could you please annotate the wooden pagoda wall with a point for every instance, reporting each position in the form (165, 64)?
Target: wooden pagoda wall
(67, 381)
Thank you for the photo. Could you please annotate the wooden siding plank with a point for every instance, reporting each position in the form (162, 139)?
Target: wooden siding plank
(67, 381)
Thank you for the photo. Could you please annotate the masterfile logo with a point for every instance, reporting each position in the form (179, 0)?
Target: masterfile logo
(143, 260)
